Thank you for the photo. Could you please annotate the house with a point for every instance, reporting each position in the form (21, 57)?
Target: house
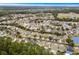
(66, 26)
(2, 33)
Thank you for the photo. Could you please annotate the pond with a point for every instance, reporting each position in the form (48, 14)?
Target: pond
(75, 39)
(69, 48)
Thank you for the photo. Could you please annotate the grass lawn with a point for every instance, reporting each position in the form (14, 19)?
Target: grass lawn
(76, 35)
(76, 44)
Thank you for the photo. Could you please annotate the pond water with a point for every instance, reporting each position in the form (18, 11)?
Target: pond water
(75, 40)
(69, 50)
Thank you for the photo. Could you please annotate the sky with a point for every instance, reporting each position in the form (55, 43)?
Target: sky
(39, 4)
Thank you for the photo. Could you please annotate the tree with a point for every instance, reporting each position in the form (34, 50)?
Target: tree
(9, 47)
(55, 14)
(3, 53)
(60, 53)
(70, 42)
